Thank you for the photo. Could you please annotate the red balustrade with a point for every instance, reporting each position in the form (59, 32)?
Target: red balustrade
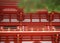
(19, 27)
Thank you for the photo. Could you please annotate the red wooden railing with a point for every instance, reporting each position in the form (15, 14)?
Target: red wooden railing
(38, 21)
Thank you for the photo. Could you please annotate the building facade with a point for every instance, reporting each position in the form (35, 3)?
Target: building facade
(19, 27)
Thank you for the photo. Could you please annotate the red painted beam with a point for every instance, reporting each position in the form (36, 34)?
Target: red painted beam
(29, 23)
(30, 32)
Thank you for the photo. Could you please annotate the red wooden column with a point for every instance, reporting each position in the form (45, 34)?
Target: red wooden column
(1, 17)
(39, 17)
(31, 17)
(7, 41)
(20, 38)
(31, 21)
(17, 38)
(57, 41)
(10, 18)
(55, 38)
(51, 17)
(59, 16)
(21, 14)
(37, 42)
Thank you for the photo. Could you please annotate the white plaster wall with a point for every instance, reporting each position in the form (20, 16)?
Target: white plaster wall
(7, 20)
(2, 42)
(11, 41)
(35, 20)
(14, 20)
(44, 20)
(9, 9)
(56, 20)
(27, 41)
(26, 20)
(46, 41)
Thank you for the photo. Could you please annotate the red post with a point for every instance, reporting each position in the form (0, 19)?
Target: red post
(36, 41)
(57, 41)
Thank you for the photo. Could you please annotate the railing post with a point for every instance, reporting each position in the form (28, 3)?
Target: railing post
(57, 38)
(18, 28)
(2, 28)
(18, 38)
